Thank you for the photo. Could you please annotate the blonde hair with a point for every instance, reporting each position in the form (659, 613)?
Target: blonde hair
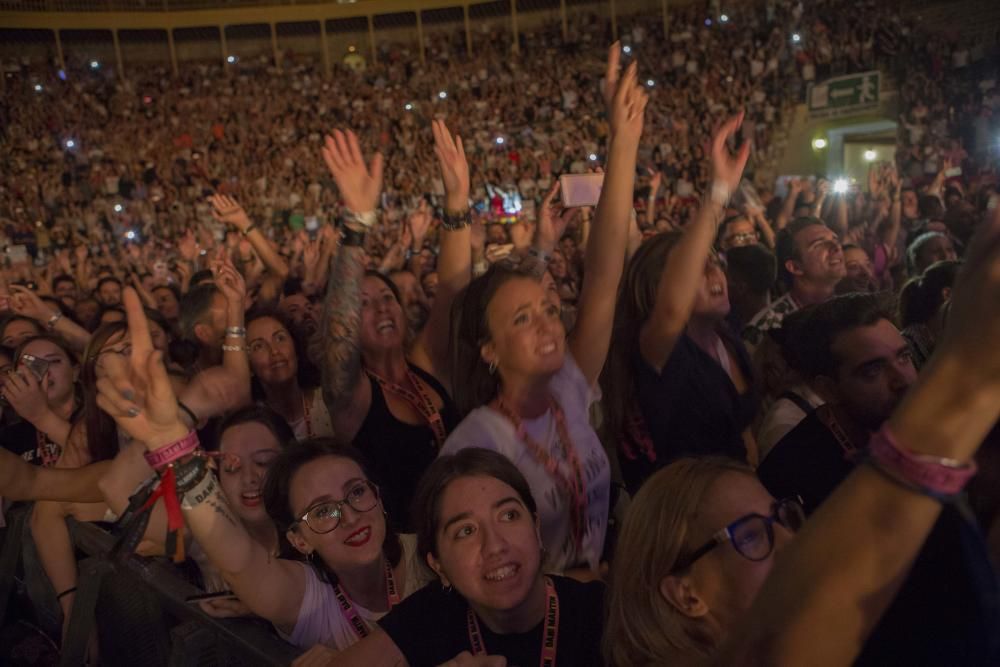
(642, 627)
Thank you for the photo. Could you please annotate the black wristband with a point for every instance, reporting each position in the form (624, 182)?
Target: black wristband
(454, 221)
(352, 237)
(66, 592)
(189, 412)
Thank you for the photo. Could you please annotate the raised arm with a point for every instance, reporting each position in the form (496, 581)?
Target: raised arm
(25, 302)
(455, 261)
(604, 257)
(228, 210)
(347, 396)
(682, 275)
(834, 581)
(144, 406)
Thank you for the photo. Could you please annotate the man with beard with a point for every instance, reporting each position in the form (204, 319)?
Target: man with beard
(851, 354)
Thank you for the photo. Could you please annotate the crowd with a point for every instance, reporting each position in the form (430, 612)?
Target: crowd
(344, 345)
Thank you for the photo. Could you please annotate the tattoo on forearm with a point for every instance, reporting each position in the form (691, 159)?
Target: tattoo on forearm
(218, 504)
(341, 327)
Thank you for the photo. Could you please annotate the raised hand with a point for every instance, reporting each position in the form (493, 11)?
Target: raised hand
(187, 246)
(141, 400)
(521, 234)
(25, 302)
(726, 168)
(419, 222)
(25, 394)
(359, 184)
(628, 106)
(228, 210)
(552, 220)
(230, 282)
(611, 75)
(454, 166)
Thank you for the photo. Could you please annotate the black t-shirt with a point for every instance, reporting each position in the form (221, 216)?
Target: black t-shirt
(431, 627)
(22, 439)
(398, 453)
(691, 407)
(948, 609)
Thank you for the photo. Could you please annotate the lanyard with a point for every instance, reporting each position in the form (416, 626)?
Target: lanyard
(422, 403)
(351, 614)
(48, 455)
(305, 415)
(572, 484)
(550, 632)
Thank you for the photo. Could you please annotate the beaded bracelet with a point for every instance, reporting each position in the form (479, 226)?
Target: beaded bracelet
(236, 332)
(179, 449)
(455, 220)
(233, 348)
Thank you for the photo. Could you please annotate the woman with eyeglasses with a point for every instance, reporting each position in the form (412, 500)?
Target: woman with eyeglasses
(696, 545)
(342, 567)
(478, 529)
(678, 381)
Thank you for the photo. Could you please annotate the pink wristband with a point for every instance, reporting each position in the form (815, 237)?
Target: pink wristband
(933, 475)
(166, 455)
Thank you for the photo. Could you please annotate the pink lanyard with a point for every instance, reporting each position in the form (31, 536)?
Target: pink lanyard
(573, 485)
(351, 614)
(422, 403)
(550, 633)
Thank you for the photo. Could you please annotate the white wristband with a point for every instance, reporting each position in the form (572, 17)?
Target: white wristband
(367, 219)
(720, 194)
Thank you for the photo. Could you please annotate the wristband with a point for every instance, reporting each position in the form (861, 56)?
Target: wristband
(66, 592)
(159, 459)
(352, 238)
(200, 491)
(246, 232)
(366, 220)
(233, 348)
(933, 476)
(456, 220)
(51, 324)
(236, 332)
(540, 255)
(187, 475)
(720, 194)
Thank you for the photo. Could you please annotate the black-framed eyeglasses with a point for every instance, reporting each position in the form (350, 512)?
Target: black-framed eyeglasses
(752, 535)
(325, 516)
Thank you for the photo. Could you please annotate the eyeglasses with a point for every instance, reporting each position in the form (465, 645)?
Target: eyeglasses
(325, 516)
(752, 535)
(233, 463)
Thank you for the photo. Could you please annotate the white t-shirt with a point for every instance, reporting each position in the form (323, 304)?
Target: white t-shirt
(488, 429)
(320, 424)
(320, 619)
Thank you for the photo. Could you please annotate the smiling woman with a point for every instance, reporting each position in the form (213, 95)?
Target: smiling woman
(478, 529)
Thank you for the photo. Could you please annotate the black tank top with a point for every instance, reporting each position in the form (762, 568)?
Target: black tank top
(398, 453)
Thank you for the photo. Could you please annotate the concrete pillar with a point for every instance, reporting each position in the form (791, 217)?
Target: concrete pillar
(119, 61)
(371, 39)
(59, 50)
(225, 49)
(326, 47)
(173, 52)
(274, 45)
(565, 21)
(420, 36)
(468, 31)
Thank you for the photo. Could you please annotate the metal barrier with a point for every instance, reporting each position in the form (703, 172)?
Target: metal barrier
(139, 609)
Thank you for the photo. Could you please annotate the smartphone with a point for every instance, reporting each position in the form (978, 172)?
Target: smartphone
(580, 189)
(221, 595)
(953, 172)
(38, 367)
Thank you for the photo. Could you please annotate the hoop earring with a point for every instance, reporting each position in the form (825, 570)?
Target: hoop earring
(493, 367)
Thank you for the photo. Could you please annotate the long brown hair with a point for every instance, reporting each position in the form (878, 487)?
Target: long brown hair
(472, 383)
(635, 304)
(99, 428)
(642, 628)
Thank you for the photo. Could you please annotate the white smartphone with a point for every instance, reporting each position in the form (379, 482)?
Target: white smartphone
(580, 189)
(953, 172)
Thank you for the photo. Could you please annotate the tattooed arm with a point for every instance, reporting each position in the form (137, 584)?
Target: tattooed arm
(270, 587)
(347, 394)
